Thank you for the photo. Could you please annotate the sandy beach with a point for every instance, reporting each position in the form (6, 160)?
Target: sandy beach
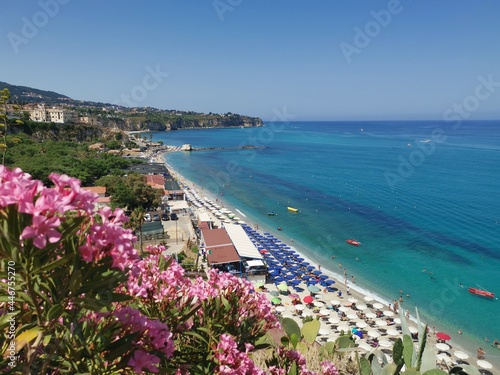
(357, 309)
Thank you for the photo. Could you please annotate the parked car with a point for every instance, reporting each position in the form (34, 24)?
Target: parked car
(147, 217)
(156, 217)
(165, 217)
(174, 216)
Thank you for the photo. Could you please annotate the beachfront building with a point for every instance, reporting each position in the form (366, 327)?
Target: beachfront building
(216, 245)
(55, 115)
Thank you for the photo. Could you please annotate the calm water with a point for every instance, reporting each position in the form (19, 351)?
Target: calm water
(418, 195)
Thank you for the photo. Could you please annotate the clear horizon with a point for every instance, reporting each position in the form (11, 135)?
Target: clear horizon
(383, 61)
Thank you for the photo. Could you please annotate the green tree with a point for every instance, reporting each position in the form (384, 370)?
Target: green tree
(4, 99)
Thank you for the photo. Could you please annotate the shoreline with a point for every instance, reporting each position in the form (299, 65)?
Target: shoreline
(357, 291)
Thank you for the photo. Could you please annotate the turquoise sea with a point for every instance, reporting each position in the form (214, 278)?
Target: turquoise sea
(421, 196)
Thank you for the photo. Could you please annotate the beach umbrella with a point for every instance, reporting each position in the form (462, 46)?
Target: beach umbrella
(393, 332)
(318, 304)
(280, 309)
(361, 324)
(295, 282)
(373, 334)
(334, 319)
(276, 301)
(323, 277)
(274, 293)
(313, 289)
(282, 287)
(352, 316)
(413, 329)
(324, 312)
(294, 296)
(343, 327)
(368, 299)
(388, 313)
(317, 272)
(370, 315)
(397, 320)
(260, 283)
(263, 251)
(443, 336)
(363, 345)
(335, 302)
(353, 300)
(308, 299)
(442, 347)
(385, 344)
(484, 364)
(323, 331)
(443, 357)
(344, 308)
(461, 355)
(378, 305)
(361, 306)
(381, 323)
(300, 307)
(329, 282)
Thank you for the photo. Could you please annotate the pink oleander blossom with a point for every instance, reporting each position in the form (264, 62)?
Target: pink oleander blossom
(233, 362)
(17, 187)
(144, 361)
(328, 368)
(42, 229)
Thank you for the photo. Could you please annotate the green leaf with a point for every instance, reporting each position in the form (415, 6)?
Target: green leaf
(55, 312)
(389, 369)
(397, 352)
(411, 371)
(310, 330)
(294, 339)
(364, 366)
(57, 263)
(290, 326)
(293, 369)
(436, 371)
(408, 350)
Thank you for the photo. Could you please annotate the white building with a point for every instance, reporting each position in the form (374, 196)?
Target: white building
(56, 115)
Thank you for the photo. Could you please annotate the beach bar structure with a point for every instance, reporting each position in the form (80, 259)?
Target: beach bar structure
(220, 251)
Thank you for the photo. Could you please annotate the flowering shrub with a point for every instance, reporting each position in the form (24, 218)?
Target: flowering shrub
(83, 301)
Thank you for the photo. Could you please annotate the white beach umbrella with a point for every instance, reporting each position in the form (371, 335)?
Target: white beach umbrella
(388, 313)
(393, 332)
(364, 346)
(324, 312)
(335, 302)
(300, 307)
(443, 357)
(361, 306)
(378, 305)
(352, 316)
(368, 299)
(373, 334)
(381, 323)
(334, 319)
(324, 331)
(461, 355)
(370, 315)
(361, 324)
(484, 364)
(280, 309)
(343, 327)
(442, 346)
(385, 344)
(318, 304)
(413, 329)
(353, 300)
(397, 320)
(344, 309)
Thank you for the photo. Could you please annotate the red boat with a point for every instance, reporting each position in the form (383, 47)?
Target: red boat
(481, 292)
(353, 242)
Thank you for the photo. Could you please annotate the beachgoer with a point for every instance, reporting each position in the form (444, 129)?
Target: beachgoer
(459, 332)
(407, 295)
(319, 267)
(400, 298)
(352, 278)
(480, 353)
(340, 265)
(461, 285)
(407, 314)
(400, 291)
(486, 339)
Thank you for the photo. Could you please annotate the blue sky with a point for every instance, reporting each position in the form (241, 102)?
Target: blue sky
(417, 60)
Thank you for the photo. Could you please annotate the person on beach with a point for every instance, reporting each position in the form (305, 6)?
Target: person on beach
(480, 353)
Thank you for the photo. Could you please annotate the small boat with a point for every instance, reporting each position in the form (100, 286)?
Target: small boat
(481, 292)
(353, 242)
(292, 209)
(272, 213)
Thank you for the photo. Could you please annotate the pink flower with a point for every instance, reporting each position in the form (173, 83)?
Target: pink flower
(328, 368)
(144, 361)
(42, 229)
